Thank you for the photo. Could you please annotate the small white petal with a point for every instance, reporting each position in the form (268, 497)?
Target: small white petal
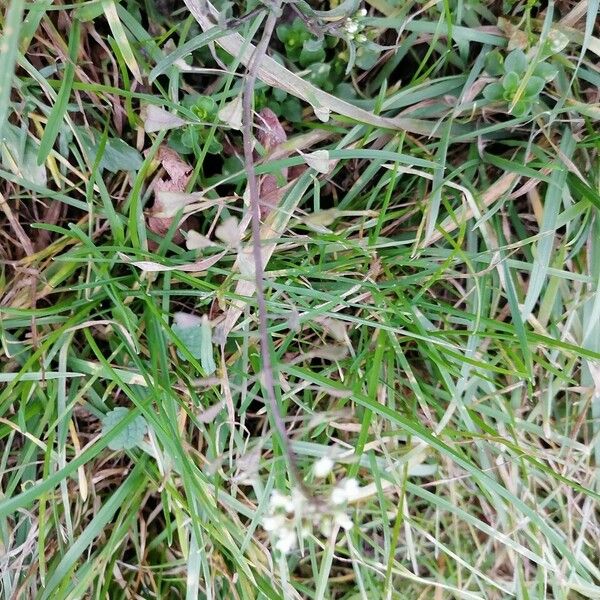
(325, 527)
(323, 467)
(351, 26)
(286, 541)
(351, 487)
(343, 520)
(298, 503)
(278, 500)
(338, 496)
(273, 523)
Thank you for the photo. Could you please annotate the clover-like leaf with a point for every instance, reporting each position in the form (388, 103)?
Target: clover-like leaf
(196, 334)
(546, 71)
(521, 108)
(367, 57)
(494, 63)
(319, 75)
(516, 61)
(533, 87)
(511, 81)
(131, 436)
(494, 91)
(312, 51)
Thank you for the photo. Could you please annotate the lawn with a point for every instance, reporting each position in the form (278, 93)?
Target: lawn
(299, 299)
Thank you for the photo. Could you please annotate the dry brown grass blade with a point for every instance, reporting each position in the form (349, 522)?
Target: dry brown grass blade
(276, 75)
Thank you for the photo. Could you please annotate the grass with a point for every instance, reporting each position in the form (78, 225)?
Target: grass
(431, 286)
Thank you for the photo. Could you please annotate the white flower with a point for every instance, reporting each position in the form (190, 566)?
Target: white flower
(362, 12)
(273, 523)
(351, 487)
(323, 467)
(287, 541)
(278, 500)
(351, 26)
(343, 520)
(338, 496)
(344, 491)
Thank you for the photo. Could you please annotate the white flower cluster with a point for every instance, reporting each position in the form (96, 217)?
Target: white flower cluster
(294, 517)
(354, 27)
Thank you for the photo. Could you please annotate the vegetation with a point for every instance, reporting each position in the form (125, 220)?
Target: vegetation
(405, 405)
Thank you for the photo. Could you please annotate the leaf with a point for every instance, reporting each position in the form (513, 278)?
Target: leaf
(153, 267)
(270, 131)
(556, 41)
(19, 154)
(118, 154)
(534, 86)
(516, 61)
(321, 219)
(494, 63)
(494, 91)
(231, 113)
(196, 241)
(318, 160)
(367, 57)
(156, 118)
(511, 81)
(545, 70)
(131, 436)
(229, 232)
(196, 334)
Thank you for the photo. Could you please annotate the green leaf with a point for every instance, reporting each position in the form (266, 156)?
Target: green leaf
(18, 153)
(534, 86)
(131, 436)
(366, 57)
(494, 63)
(190, 137)
(319, 74)
(283, 32)
(516, 61)
(521, 108)
(176, 142)
(89, 12)
(511, 82)
(118, 154)
(494, 91)
(195, 333)
(546, 71)
(291, 110)
(312, 51)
